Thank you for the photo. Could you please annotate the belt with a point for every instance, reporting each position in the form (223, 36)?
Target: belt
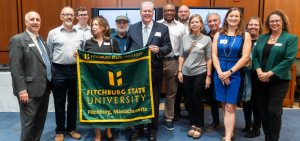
(171, 58)
(65, 66)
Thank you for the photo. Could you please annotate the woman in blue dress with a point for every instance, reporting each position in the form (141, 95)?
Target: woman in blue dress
(230, 52)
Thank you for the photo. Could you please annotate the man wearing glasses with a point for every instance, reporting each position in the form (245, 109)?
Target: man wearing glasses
(121, 34)
(183, 16)
(170, 61)
(63, 41)
(82, 16)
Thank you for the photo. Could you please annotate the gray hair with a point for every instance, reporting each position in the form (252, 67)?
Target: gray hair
(147, 3)
(210, 14)
(66, 7)
(168, 4)
(26, 15)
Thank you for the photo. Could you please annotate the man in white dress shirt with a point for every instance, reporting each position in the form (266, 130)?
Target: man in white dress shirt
(82, 15)
(170, 62)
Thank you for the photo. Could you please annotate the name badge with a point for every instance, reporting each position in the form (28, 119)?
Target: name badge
(158, 34)
(31, 45)
(223, 41)
(278, 44)
(106, 43)
(199, 45)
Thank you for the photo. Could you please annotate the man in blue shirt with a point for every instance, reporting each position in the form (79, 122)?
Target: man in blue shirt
(121, 34)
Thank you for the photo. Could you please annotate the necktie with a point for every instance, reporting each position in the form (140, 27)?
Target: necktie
(46, 58)
(145, 36)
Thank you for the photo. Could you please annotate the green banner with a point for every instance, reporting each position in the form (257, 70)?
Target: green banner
(114, 90)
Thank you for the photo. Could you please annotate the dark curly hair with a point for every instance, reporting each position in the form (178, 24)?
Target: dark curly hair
(285, 19)
(102, 22)
(240, 29)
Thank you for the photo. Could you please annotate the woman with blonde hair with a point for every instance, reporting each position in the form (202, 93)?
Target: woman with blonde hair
(194, 71)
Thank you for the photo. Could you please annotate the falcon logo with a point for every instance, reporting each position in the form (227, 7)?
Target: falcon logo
(112, 80)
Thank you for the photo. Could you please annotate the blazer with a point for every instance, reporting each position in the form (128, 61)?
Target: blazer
(27, 66)
(135, 41)
(282, 55)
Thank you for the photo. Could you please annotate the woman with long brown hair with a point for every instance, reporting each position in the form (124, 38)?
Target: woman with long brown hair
(230, 52)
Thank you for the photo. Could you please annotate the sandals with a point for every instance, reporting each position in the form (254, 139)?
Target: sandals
(191, 132)
(197, 136)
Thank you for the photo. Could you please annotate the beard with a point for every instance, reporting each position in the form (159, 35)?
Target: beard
(183, 18)
(69, 23)
(121, 30)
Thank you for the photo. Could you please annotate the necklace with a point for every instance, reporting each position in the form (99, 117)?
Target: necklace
(275, 38)
(230, 48)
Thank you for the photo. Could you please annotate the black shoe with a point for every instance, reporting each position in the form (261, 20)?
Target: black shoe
(109, 138)
(177, 116)
(248, 126)
(135, 136)
(255, 132)
(152, 137)
(213, 126)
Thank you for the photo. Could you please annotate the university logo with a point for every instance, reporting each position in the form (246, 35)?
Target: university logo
(86, 56)
(112, 79)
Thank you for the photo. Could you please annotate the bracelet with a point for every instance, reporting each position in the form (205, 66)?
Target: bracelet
(179, 71)
(231, 71)
(209, 75)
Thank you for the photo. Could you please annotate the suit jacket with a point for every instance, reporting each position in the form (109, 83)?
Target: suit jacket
(282, 55)
(27, 66)
(135, 41)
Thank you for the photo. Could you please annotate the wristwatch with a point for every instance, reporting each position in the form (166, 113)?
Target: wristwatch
(231, 71)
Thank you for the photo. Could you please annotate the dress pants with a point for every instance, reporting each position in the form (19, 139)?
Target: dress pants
(33, 116)
(250, 106)
(194, 87)
(65, 78)
(270, 97)
(170, 69)
(153, 126)
(214, 104)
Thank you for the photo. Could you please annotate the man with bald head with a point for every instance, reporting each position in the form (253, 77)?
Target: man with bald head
(63, 41)
(30, 67)
(183, 16)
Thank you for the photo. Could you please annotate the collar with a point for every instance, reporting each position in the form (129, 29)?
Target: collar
(173, 22)
(117, 35)
(62, 27)
(31, 34)
(150, 25)
(87, 27)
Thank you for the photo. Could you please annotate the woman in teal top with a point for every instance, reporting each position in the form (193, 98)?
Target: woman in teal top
(273, 57)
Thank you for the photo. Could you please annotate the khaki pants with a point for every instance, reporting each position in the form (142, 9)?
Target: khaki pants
(170, 69)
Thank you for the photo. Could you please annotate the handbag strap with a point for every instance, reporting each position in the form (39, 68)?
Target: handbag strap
(193, 46)
(112, 47)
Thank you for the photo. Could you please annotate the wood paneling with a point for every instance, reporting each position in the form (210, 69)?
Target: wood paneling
(177, 2)
(291, 8)
(4, 57)
(9, 23)
(93, 4)
(49, 11)
(196, 2)
(251, 7)
(137, 3)
(289, 98)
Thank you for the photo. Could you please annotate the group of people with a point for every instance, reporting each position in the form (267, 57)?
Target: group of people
(218, 62)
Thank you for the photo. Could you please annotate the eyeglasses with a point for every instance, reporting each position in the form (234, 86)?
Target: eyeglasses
(82, 15)
(169, 10)
(181, 12)
(274, 21)
(67, 15)
(118, 22)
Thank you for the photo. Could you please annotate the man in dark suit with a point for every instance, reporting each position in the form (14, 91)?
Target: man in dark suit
(30, 68)
(156, 36)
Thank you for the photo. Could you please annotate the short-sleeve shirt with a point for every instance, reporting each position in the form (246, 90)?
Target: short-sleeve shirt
(195, 63)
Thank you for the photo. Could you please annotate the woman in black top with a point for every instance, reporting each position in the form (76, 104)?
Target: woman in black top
(102, 43)
(255, 28)
(272, 59)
